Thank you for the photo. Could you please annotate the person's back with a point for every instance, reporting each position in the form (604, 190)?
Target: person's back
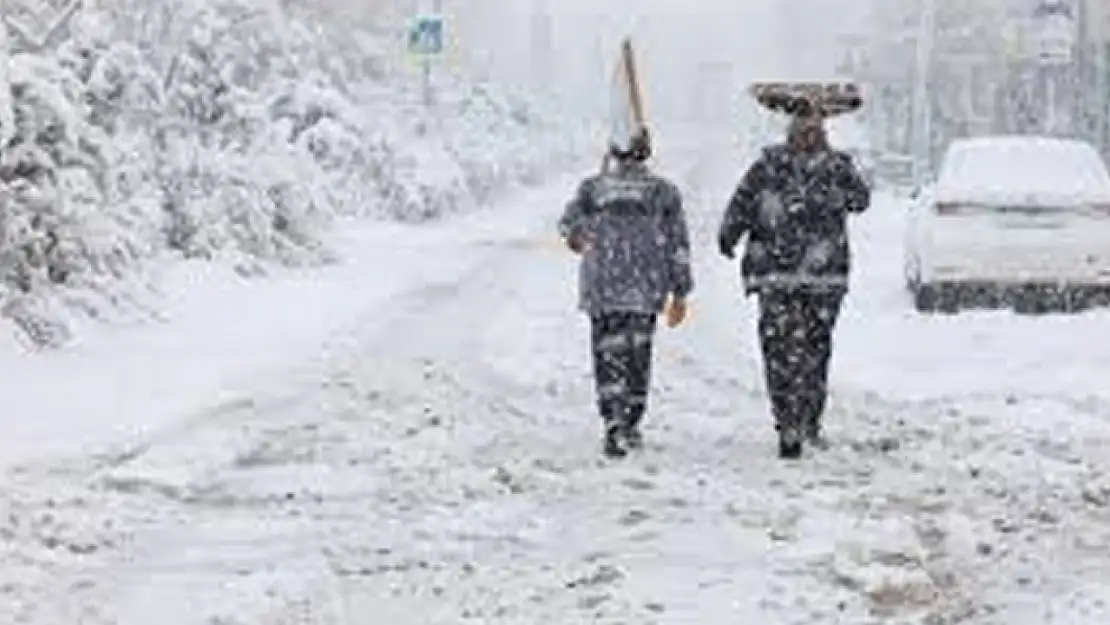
(623, 220)
(629, 227)
(793, 203)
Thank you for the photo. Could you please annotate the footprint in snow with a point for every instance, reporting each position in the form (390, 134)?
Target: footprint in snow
(603, 575)
(635, 483)
(592, 602)
(634, 517)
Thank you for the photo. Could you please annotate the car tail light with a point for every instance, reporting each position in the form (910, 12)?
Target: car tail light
(951, 209)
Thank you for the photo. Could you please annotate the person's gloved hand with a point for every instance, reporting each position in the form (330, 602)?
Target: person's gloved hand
(676, 312)
(727, 249)
(574, 243)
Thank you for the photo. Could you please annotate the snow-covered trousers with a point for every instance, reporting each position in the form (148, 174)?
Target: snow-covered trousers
(795, 332)
(622, 351)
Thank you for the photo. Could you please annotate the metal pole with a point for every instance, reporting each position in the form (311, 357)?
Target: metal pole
(1081, 74)
(1102, 92)
(922, 105)
(1050, 101)
(1098, 22)
(437, 9)
(427, 81)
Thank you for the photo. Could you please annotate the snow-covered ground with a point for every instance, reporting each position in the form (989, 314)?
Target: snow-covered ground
(422, 449)
(220, 332)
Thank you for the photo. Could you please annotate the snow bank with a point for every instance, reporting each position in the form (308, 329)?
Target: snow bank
(226, 336)
(233, 131)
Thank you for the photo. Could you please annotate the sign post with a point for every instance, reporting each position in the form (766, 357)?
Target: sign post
(425, 40)
(922, 147)
(1056, 33)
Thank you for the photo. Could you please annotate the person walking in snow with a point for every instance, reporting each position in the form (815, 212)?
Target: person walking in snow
(629, 227)
(793, 204)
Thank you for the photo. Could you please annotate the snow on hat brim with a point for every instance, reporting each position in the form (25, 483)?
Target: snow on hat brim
(808, 99)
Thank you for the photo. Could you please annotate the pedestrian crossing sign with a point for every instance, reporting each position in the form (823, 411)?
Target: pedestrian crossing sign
(426, 36)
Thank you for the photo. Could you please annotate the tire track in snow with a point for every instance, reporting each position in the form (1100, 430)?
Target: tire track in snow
(944, 510)
(633, 530)
(446, 469)
(422, 458)
(157, 486)
(917, 515)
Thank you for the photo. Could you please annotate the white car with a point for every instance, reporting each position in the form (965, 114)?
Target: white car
(1012, 221)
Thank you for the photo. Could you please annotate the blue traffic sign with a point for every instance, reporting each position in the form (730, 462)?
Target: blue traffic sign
(425, 36)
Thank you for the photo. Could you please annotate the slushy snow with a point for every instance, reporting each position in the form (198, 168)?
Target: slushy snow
(428, 454)
(353, 388)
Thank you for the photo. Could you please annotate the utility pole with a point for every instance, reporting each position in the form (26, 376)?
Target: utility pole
(437, 50)
(922, 106)
(886, 34)
(1102, 84)
(437, 9)
(1094, 19)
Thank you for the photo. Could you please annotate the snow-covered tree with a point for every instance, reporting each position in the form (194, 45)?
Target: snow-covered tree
(231, 130)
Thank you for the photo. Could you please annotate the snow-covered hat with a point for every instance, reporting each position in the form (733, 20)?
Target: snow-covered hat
(638, 146)
(808, 99)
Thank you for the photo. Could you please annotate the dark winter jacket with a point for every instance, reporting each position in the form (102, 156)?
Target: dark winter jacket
(793, 205)
(631, 230)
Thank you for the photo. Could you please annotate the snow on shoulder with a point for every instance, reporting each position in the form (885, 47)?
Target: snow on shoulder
(1023, 171)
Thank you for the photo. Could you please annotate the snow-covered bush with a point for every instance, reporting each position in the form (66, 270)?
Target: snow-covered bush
(229, 130)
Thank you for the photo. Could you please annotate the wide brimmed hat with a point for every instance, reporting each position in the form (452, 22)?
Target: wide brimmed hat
(808, 99)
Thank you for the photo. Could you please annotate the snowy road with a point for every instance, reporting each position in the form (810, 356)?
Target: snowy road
(440, 465)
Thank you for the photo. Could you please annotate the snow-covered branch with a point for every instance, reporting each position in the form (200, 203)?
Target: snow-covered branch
(19, 37)
(36, 36)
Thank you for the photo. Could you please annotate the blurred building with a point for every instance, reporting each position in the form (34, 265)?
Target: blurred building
(988, 66)
(1095, 34)
(1098, 20)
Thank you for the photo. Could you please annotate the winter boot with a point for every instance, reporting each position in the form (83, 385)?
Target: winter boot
(814, 436)
(631, 429)
(611, 446)
(790, 443)
(633, 438)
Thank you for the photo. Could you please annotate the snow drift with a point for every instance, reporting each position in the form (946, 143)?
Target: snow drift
(234, 131)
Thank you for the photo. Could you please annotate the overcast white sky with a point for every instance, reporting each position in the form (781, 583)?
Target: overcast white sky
(676, 41)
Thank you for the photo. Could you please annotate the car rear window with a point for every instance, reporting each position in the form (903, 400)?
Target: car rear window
(985, 168)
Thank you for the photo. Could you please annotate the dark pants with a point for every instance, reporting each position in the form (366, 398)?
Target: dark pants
(622, 353)
(795, 331)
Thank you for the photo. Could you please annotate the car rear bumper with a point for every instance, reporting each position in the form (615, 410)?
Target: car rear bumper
(1063, 272)
(1016, 295)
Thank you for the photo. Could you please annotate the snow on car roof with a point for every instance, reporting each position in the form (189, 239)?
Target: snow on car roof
(1023, 171)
